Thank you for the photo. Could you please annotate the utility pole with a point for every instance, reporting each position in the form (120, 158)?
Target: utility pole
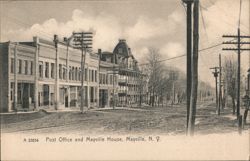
(216, 73)
(195, 57)
(239, 43)
(82, 41)
(189, 54)
(220, 91)
(56, 41)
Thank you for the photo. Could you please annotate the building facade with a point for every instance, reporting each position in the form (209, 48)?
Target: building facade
(131, 81)
(38, 75)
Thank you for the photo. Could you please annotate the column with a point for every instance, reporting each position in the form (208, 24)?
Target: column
(108, 102)
(76, 92)
(57, 76)
(87, 97)
(69, 99)
(15, 78)
(67, 64)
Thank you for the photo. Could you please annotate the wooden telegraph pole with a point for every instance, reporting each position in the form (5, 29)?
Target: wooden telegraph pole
(189, 53)
(194, 86)
(82, 41)
(220, 86)
(239, 43)
(216, 72)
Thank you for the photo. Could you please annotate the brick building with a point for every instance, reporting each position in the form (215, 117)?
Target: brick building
(36, 75)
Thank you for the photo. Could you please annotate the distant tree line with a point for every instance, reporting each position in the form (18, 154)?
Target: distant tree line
(167, 85)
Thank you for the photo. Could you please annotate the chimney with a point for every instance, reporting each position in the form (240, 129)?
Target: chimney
(122, 40)
(100, 53)
(65, 39)
(129, 50)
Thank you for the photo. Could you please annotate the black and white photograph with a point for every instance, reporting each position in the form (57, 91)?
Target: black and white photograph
(125, 79)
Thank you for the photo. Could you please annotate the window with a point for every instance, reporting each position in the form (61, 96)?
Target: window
(60, 71)
(70, 73)
(95, 76)
(46, 69)
(111, 79)
(103, 78)
(73, 73)
(52, 73)
(79, 74)
(64, 73)
(20, 66)
(120, 51)
(107, 80)
(86, 74)
(91, 94)
(114, 79)
(100, 78)
(11, 90)
(26, 67)
(76, 73)
(31, 68)
(12, 65)
(40, 69)
(19, 93)
(92, 75)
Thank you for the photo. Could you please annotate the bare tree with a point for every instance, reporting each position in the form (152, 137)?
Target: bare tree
(230, 80)
(142, 81)
(230, 75)
(154, 72)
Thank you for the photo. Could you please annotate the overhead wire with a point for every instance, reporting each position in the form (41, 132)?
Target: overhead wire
(229, 17)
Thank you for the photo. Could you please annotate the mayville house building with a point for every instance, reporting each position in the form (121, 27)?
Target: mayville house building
(37, 75)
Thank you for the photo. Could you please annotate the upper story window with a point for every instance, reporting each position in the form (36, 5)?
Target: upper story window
(107, 79)
(52, 73)
(26, 67)
(100, 78)
(79, 74)
(76, 73)
(73, 73)
(31, 67)
(86, 74)
(20, 66)
(95, 76)
(120, 51)
(60, 71)
(40, 69)
(92, 75)
(12, 65)
(46, 69)
(70, 73)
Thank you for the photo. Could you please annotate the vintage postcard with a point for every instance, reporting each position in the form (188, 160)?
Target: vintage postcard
(125, 79)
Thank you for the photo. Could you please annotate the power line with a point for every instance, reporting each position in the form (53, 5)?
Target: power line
(229, 17)
(203, 22)
(183, 55)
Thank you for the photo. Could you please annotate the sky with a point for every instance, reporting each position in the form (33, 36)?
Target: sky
(143, 23)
